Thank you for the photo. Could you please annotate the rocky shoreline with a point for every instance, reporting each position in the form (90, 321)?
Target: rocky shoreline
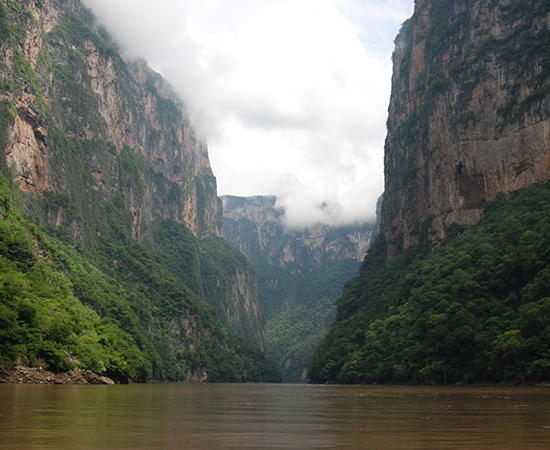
(37, 375)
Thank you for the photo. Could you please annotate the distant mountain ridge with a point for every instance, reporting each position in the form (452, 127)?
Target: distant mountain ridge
(255, 225)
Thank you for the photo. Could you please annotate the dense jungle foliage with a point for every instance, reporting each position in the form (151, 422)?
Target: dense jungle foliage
(113, 312)
(299, 309)
(477, 310)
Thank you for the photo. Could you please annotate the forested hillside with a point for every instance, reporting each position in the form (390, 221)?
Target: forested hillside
(299, 309)
(111, 258)
(478, 310)
(456, 286)
(62, 307)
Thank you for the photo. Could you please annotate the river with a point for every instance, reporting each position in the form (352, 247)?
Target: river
(269, 416)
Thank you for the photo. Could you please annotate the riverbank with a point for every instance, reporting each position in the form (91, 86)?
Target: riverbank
(37, 375)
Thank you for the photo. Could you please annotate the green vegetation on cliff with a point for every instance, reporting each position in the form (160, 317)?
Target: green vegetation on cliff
(477, 310)
(299, 310)
(42, 322)
(113, 311)
(301, 273)
(97, 269)
(208, 267)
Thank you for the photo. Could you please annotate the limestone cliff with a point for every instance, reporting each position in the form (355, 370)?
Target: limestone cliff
(255, 226)
(106, 157)
(469, 115)
(62, 75)
(229, 283)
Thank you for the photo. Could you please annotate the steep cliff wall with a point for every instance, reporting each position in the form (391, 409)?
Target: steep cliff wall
(59, 74)
(229, 283)
(107, 161)
(469, 115)
(468, 118)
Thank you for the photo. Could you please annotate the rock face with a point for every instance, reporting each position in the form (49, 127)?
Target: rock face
(230, 285)
(469, 115)
(300, 274)
(255, 226)
(247, 313)
(73, 81)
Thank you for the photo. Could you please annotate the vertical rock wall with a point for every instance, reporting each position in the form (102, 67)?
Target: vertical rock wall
(469, 115)
(82, 128)
(74, 81)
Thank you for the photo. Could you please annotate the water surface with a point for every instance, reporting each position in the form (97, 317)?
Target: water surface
(265, 416)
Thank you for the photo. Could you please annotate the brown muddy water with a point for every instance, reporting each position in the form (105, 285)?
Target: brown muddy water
(267, 416)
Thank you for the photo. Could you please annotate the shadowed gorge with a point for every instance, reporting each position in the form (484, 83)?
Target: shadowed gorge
(301, 272)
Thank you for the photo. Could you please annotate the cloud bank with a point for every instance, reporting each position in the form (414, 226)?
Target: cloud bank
(291, 95)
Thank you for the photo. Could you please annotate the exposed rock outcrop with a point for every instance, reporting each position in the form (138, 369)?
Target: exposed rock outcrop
(27, 152)
(255, 226)
(246, 310)
(37, 375)
(469, 115)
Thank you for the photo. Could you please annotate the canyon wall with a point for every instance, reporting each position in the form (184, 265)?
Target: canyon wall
(461, 262)
(101, 147)
(469, 115)
(63, 75)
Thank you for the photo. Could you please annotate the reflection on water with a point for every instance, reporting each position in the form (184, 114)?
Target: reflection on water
(237, 416)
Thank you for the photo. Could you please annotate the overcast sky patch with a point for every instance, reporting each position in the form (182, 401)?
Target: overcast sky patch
(291, 95)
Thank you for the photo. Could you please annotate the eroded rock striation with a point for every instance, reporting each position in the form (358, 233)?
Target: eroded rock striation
(469, 115)
(71, 80)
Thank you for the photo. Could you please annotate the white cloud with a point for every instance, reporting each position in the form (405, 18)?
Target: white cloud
(292, 95)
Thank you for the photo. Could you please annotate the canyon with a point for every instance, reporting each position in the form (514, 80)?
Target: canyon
(301, 272)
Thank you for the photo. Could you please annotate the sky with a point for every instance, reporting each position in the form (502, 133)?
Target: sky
(290, 95)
